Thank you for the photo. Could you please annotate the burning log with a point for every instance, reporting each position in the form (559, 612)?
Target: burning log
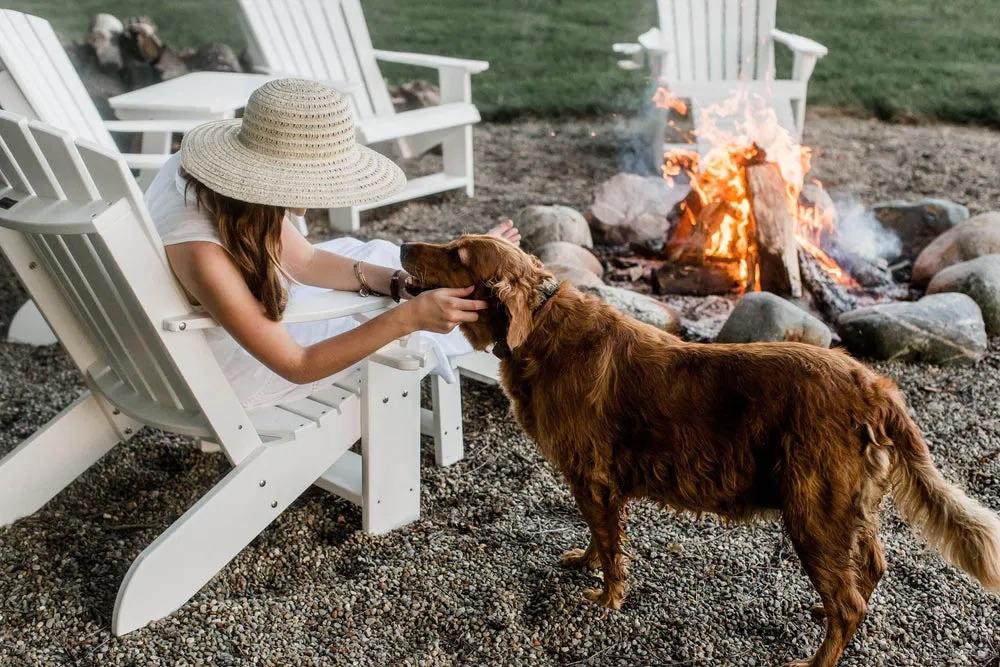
(712, 277)
(863, 270)
(774, 223)
(830, 299)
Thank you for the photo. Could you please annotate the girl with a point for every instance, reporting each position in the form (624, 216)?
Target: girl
(223, 207)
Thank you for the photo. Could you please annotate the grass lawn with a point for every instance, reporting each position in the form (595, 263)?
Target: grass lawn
(896, 59)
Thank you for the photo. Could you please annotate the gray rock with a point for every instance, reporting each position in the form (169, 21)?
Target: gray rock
(762, 316)
(417, 94)
(918, 223)
(579, 278)
(105, 36)
(544, 224)
(639, 306)
(630, 208)
(977, 236)
(978, 278)
(940, 328)
(215, 57)
(570, 254)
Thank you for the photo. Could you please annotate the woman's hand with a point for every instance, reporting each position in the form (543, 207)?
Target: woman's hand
(441, 310)
(505, 230)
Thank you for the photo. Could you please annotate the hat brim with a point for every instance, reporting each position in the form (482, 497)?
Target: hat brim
(213, 154)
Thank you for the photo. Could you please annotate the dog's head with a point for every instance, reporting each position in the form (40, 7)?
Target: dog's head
(510, 280)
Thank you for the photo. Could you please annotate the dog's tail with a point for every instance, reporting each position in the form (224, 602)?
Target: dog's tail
(963, 531)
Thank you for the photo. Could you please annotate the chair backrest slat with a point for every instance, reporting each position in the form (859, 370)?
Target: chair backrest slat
(713, 40)
(32, 163)
(31, 52)
(114, 181)
(11, 171)
(320, 39)
(58, 149)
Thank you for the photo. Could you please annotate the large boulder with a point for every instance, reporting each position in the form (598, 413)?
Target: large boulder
(917, 223)
(629, 208)
(575, 276)
(940, 328)
(979, 278)
(544, 224)
(639, 306)
(762, 316)
(977, 236)
(570, 254)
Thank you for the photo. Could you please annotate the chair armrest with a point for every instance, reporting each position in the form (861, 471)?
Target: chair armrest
(145, 160)
(166, 125)
(436, 62)
(310, 307)
(799, 44)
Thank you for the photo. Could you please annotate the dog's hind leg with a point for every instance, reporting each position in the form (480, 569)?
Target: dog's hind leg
(831, 568)
(605, 516)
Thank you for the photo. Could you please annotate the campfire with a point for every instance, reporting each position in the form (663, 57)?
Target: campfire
(754, 219)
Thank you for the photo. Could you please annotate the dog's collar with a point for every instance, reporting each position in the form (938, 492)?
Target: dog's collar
(546, 290)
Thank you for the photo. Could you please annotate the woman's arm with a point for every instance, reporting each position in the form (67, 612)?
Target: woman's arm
(208, 273)
(312, 266)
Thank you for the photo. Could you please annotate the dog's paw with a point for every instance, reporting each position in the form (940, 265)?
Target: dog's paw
(799, 663)
(818, 611)
(602, 597)
(579, 558)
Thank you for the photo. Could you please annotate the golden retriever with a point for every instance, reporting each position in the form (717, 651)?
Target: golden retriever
(627, 411)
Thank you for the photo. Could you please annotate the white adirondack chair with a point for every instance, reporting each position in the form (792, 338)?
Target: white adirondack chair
(703, 48)
(328, 40)
(74, 228)
(37, 80)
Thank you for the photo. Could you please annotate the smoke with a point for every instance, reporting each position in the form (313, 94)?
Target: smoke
(860, 232)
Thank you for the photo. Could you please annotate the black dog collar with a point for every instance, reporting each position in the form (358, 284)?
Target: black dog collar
(546, 290)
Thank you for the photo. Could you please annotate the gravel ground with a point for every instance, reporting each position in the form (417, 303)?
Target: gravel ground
(475, 581)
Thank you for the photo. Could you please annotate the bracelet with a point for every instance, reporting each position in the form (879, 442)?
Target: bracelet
(394, 285)
(364, 289)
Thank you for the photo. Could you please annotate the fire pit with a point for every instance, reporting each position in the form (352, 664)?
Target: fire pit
(754, 219)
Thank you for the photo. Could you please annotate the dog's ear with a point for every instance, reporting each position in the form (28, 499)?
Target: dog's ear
(516, 296)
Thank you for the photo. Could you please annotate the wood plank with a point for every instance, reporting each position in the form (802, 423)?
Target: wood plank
(685, 31)
(60, 152)
(322, 43)
(774, 224)
(748, 39)
(344, 478)
(294, 36)
(716, 37)
(731, 11)
(700, 45)
(343, 46)
(358, 28)
(32, 163)
(765, 46)
(668, 27)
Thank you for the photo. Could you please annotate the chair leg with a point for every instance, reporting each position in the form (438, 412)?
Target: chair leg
(345, 219)
(390, 447)
(216, 528)
(456, 149)
(447, 421)
(59, 452)
(28, 326)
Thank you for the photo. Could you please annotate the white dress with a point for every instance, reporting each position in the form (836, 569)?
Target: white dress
(178, 221)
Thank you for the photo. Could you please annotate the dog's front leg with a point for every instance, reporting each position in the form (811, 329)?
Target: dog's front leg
(605, 516)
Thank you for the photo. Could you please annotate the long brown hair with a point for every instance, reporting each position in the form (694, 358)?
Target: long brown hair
(252, 235)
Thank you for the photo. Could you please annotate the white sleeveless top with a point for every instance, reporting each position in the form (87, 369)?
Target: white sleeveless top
(179, 220)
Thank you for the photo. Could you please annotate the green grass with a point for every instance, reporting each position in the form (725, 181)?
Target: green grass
(896, 59)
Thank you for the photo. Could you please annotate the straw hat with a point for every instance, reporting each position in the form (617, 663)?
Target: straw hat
(294, 147)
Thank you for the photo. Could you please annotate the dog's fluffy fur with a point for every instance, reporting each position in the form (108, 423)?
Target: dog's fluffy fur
(627, 411)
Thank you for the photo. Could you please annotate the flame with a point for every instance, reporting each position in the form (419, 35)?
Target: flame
(739, 131)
